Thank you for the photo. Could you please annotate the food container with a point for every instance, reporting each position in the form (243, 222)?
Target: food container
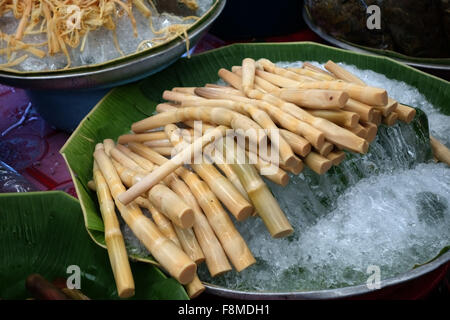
(64, 97)
(114, 115)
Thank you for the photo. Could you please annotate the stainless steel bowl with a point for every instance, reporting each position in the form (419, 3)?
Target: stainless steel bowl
(116, 72)
(63, 98)
(404, 286)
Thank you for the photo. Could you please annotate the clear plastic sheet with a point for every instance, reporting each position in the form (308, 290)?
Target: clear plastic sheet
(12, 181)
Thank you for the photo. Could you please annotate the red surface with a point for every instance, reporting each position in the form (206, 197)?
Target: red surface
(32, 148)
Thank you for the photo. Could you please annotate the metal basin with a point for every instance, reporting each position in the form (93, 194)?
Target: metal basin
(415, 283)
(64, 98)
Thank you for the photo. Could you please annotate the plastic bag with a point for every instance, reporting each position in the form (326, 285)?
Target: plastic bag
(11, 181)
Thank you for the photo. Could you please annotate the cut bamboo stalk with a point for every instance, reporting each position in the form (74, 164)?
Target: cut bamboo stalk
(326, 149)
(108, 145)
(260, 83)
(386, 110)
(369, 95)
(280, 117)
(115, 243)
(142, 137)
(263, 200)
(91, 185)
(345, 75)
(164, 224)
(124, 160)
(365, 111)
(226, 89)
(440, 151)
(311, 67)
(160, 173)
(171, 258)
(296, 74)
(159, 143)
(341, 118)
(185, 241)
(360, 131)
(169, 203)
(296, 169)
(336, 157)
(185, 90)
(299, 145)
(143, 163)
(372, 130)
(332, 132)
(342, 73)
(259, 116)
(189, 244)
(318, 163)
(277, 80)
(405, 113)
(377, 117)
(279, 176)
(391, 119)
(221, 186)
(161, 197)
(248, 74)
(165, 151)
(216, 259)
(315, 99)
(232, 242)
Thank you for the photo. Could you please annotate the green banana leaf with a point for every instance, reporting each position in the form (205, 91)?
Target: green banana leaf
(114, 115)
(42, 232)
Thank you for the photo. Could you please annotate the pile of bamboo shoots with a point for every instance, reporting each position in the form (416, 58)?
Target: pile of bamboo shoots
(317, 114)
(67, 25)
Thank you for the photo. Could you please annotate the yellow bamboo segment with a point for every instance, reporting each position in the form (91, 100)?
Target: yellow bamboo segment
(280, 117)
(326, 149)
(341, 118)
(159, 143)
(160, 173)
(259, 116)
(108, 145)
(216, 259)
(318, 163)
(164, 199)
(171, 258)
(185, 90)
(226, 89)
(259, 83)
(440, 151)
(142, 137)
(405, 113)
(165, 151)
(115, 243)
(248, 74)
(124, 160)
(343, 74)
(377, 117)
(164, 224)
(297, 74)
(277, 80)
(372, 130)
(169, 203)
(360, 131)
(365, 111)
(143, 163)
(195, 288)
(391, 119)
(221, 186)
(279, 176)
(299, 145)
(336, 157)
(189, 244)
(296, 169)
(91, 185)
(315, 99)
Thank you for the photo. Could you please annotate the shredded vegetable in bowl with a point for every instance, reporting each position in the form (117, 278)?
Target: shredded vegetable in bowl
(44, 29)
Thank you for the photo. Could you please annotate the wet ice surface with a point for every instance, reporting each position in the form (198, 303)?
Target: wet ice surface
(389, 208)
(99, 45)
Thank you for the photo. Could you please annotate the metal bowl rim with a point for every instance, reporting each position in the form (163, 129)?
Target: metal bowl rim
(332, 293)
(117, 64)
